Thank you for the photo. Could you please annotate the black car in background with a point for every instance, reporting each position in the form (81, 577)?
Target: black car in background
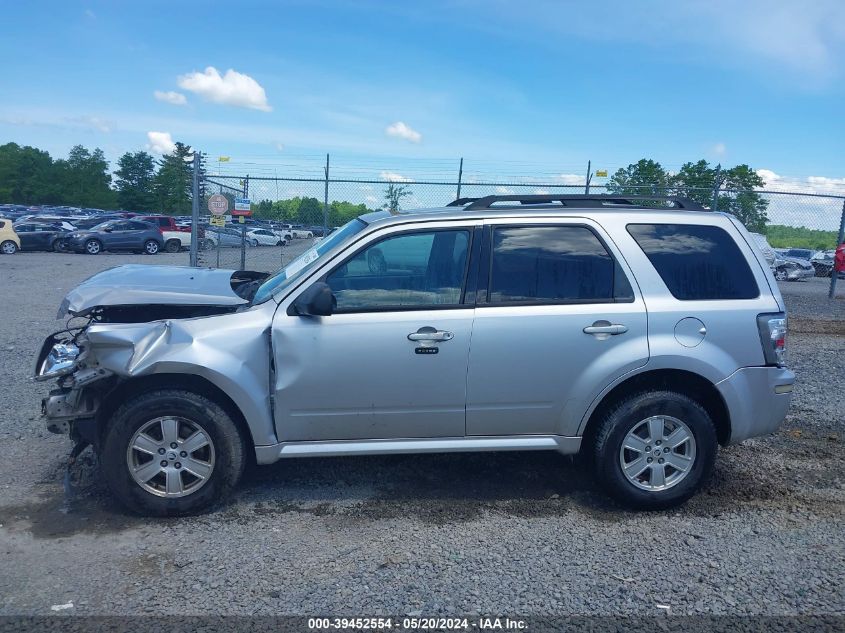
(116, 235)
(39, 236)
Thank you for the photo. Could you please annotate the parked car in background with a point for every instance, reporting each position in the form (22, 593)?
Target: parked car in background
(68, 223)
(300, 232)
(116, 235)
(164, 222)
(822, 262)
(10, 243)
(39, 236)
(222, 237)
(175, 241)
(85, 224)
(793, 267)
(264, 237)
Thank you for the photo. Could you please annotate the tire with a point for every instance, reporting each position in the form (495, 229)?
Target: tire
(8, 247)
(56, 246)
(781, 275)
(280, 243)
(221, 460)
(151, 247)
(635, 415)
(173, 246)
(253, 242)
(93, 247)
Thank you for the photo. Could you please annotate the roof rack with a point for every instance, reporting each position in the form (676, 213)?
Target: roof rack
(577, 200)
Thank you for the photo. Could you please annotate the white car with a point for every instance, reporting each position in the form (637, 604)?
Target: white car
(264, 237)
(302, 234)
(175, 241)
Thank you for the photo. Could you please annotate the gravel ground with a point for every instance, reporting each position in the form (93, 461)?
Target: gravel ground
(440, 534)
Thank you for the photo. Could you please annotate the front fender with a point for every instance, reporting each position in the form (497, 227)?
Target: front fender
(232, 351)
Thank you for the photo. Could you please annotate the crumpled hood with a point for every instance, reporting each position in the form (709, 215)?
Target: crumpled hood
(136, 284)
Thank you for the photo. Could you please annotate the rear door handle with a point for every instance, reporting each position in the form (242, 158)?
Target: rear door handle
(429, 334)
(611, 328)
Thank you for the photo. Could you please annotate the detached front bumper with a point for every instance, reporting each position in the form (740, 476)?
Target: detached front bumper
(757, 399)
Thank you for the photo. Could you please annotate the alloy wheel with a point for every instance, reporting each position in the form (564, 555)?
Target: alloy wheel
(170, 457)
(657, 453)
(93, 247)
(9, 248)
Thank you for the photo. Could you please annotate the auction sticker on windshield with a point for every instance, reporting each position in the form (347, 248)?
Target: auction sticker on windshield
(301, 262)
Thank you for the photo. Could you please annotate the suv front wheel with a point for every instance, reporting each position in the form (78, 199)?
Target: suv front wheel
(655, 449)
(170, 452)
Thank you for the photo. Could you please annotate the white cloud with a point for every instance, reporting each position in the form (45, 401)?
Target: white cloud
(541, 192)
(371, 200)
(769, 177)
(401, 130)
(571, 179)
(170, 96)
(719, 149)
(160, 142)
(279, 147)
(233, 88)
(823, 182)
(392, 176)
(504, 191)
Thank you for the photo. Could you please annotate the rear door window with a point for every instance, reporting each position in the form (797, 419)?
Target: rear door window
(696, 262)
(553, 264)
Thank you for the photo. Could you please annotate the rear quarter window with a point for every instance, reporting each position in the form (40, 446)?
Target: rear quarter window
(696, 262)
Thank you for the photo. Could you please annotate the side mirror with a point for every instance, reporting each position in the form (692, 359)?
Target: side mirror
(318, 300)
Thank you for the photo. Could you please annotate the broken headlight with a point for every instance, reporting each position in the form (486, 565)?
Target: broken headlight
(59, 361)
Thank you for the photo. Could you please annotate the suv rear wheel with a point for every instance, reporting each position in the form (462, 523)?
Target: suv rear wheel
(655, 449)
(170, 452)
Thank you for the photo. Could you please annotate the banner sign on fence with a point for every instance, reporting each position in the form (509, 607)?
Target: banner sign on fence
(242, 207)
(218, 220)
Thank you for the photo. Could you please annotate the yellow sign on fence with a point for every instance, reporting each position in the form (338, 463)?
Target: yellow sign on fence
(218, 220)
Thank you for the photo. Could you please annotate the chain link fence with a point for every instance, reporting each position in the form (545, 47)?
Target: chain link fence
(789, 219)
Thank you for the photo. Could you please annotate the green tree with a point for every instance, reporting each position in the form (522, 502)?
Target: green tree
(27, 176)
(394, 194)
(310, 212)
(695, 181)
(739, 199)
(340, 212)
(644, 178)
(135, 181)
(173, 181)
(85, 179)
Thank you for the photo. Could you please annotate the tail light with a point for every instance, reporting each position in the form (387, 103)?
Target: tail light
(773, 337)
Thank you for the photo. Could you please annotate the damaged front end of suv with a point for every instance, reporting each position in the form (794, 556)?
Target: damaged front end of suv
(138, 322)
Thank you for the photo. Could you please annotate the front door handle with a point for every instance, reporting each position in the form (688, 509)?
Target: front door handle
(430, 335)
(603, 327)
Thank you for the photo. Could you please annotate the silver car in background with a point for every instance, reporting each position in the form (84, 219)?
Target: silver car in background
(643, 337)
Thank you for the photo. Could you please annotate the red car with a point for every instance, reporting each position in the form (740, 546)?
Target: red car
(164, 222)
(839, 259)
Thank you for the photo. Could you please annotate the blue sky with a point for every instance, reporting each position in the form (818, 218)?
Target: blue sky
(517, 88)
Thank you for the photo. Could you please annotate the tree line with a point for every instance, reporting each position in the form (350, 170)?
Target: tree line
(698, 181)
(143, 183)
(140, 183)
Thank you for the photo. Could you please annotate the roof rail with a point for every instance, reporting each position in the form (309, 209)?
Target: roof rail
(577, 200)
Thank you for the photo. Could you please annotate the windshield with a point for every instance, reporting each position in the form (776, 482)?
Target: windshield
(307, 260)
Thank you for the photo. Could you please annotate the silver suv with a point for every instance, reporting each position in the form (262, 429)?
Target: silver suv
(640, 333)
